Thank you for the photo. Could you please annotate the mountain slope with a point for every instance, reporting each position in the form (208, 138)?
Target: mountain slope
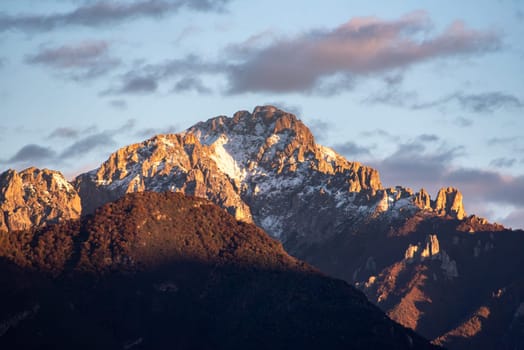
(409, 253)
(162, 270)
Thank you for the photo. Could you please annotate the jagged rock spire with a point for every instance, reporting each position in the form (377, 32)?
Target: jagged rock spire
(449, 201)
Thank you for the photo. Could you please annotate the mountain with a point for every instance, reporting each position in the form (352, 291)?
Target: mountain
(164, 270)
(263, 167)
(36, 197)
(424, 261)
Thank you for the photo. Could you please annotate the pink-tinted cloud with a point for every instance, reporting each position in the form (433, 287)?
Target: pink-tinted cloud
(361, 46)
(514, 219)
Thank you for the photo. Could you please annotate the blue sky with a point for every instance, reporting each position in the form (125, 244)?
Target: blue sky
(429, 92)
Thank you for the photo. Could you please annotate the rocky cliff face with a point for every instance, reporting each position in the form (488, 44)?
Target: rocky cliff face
(434, 273)
(262, 167)
(164, 163)
(35, 197)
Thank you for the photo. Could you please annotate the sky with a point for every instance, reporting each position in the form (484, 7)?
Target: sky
(431, 93)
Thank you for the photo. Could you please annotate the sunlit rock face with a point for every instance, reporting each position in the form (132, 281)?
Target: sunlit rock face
(35, 197)
(263, 167)
(449, 201)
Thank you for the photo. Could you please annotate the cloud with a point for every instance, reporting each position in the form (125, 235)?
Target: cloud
(84, 60)
(64, 132)
(191, 84)
(428, 138)
(32, 153)
(105, 13)
(503, 162)
(84, 141)
(380, 133)
(139, 85)
(187, 32)
(88, 144)
(321, 62)
(352, 150)
(514, 219)
(118, 104)
(490, 186)
(486, 102)
(463, 122)
(129, 125)
(360, 47)
(100, 140)
(503, 140)
(519, 15)
(432, 167)
(291, 108)
(391, 94)
(319, 128)
(145, 78)
(149, 132)
(420, 163)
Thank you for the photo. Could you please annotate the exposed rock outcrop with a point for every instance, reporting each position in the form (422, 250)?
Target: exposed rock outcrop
(35, 197)
(422, 199)
(262, 167)
(449, 202)
(430, 249)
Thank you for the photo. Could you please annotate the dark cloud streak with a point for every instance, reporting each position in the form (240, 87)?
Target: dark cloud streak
(88, 144)
(352, 150)
(150, 132)
(105, 13)
(99, 140)
(145, 79)
(84, 60)
(118, 104)
(66, 133)
(486, 102)
(191, 83)
(32, 153)
(503, 162)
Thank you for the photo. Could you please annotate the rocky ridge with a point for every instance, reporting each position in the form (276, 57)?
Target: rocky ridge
(262, 167)
(36, 197)
(254, 165)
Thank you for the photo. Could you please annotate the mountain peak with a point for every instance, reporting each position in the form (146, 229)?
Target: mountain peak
(34, 197)
(263, 122)
(236, 161)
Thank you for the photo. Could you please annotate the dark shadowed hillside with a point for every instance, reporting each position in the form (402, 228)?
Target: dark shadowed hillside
(166, 271)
